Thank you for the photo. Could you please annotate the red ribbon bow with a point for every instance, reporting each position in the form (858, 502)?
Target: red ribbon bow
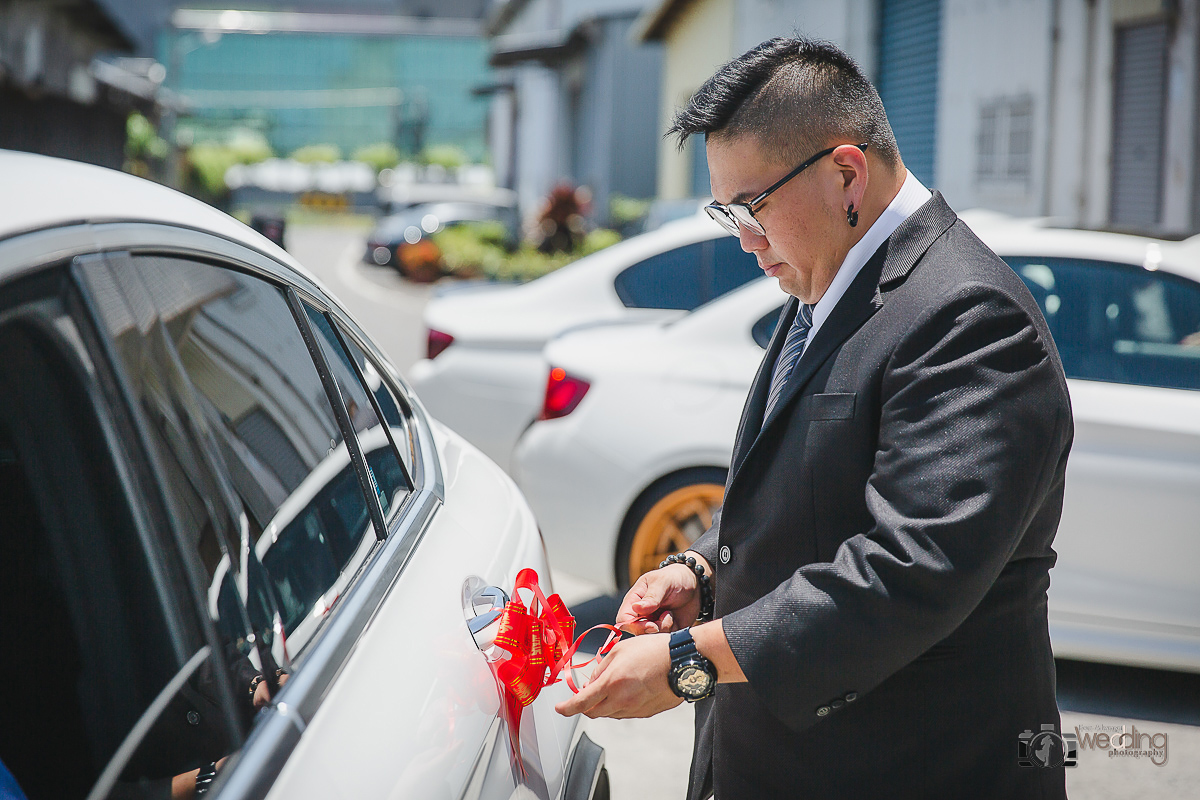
(538, 640)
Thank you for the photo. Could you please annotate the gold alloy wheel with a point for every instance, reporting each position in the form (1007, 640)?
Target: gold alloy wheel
(672, 524)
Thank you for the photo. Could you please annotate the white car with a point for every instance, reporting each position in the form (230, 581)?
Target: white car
(484, 376)
(636, 469)
(232, 542)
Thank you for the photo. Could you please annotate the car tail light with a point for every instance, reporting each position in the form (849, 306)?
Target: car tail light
(437, 342)
(563, 393)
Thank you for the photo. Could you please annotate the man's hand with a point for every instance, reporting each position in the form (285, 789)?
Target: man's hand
(661, 601)
(630, 682)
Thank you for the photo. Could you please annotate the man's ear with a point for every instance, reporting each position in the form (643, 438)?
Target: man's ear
(852, 165)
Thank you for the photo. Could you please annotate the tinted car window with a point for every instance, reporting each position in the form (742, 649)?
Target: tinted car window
(1118, 323)
(258, 389)
(398, 424)
(671, 279)
(732, 266)
(387, 476)
(210, 520)
(96, 655)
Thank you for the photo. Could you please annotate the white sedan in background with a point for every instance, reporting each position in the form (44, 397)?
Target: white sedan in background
(635, 467)
(211, 478)
(484, 376)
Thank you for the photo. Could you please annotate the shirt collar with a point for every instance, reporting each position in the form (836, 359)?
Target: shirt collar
(912, 195)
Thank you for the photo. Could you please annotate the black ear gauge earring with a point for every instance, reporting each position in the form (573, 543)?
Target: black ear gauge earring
(852, 216)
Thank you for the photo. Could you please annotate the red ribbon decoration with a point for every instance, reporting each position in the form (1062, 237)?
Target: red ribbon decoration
(538, 640)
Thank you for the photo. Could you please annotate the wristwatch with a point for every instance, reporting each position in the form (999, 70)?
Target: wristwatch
(692, 676)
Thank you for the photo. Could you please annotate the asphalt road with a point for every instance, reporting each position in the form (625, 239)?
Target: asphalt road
(648, 759)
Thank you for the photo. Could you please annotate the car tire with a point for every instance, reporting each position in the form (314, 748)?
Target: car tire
(667, 518)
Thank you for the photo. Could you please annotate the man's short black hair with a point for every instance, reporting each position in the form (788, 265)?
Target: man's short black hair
(796, 96)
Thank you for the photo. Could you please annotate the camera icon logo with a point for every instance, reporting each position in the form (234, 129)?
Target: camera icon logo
(1047, 748)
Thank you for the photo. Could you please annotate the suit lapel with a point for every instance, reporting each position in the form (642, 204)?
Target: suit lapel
(756, 403)
(886, 269)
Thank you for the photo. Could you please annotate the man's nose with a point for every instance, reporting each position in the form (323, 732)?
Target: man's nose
(751, 241)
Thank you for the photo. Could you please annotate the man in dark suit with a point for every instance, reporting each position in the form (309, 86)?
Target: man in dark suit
(881, 560)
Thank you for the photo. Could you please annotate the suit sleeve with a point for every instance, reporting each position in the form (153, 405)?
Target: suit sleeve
(709, 541)
(972, 425)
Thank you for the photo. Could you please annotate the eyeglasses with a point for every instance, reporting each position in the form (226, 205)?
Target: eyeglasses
(737, 215)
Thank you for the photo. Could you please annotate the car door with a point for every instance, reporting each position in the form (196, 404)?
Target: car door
(1127, 544)
(417, 693)
(286, 393)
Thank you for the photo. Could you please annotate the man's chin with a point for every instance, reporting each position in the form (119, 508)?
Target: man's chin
(798, 292)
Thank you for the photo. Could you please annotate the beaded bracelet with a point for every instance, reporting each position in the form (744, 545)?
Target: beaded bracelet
(706, 598)
(205, 778)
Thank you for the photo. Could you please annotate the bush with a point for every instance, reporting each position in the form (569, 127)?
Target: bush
(598, 240)
(142, 140)
(379, 156)
(210, 160)
(249, 147)
(443, 155)
(318, 154)
(624, 211)
(478, 249)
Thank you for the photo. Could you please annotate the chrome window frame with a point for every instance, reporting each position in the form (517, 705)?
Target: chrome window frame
(254, 768)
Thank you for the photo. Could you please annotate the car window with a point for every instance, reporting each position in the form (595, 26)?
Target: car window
(395, 413)
(387, 476)
(99, 667)
(277, 432)
(671, 279)
(731, 265)
(764, 328)
(1118, 323)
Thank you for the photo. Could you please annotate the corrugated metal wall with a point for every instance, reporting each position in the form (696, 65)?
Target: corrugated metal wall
(1139, 107)
(909, 37)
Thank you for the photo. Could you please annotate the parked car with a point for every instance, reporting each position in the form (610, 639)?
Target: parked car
(629, 461)
(401, 240)
(484, 375)
(213, 480)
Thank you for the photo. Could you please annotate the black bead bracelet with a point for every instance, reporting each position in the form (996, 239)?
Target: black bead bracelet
(706, 597)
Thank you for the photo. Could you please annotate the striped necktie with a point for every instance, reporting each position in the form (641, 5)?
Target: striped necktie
(793, 346)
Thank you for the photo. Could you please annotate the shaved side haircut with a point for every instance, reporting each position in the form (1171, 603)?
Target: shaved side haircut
(795, 96)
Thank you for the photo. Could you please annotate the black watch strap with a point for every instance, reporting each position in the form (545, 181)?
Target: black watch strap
(686, 662)
(683, 645)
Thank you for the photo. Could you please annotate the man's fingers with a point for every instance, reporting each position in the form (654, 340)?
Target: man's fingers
(581, 703)
(626, 614)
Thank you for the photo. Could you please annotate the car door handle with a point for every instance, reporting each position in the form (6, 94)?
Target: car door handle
(484, 605)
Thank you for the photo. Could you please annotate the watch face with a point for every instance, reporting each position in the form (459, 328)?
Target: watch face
(693, 681)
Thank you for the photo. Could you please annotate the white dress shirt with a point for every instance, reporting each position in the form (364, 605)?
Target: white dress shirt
(912, 195)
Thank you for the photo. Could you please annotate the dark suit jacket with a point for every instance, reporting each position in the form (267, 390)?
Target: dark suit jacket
(883, 553)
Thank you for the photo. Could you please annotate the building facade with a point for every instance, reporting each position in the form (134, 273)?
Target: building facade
(307, 76)
(1081, 110)
(576, 100)
(54, 97)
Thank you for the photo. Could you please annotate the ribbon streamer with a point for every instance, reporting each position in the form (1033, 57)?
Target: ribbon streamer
(538, 640)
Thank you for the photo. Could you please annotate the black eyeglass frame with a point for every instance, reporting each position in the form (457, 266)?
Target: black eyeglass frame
(724, 215)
